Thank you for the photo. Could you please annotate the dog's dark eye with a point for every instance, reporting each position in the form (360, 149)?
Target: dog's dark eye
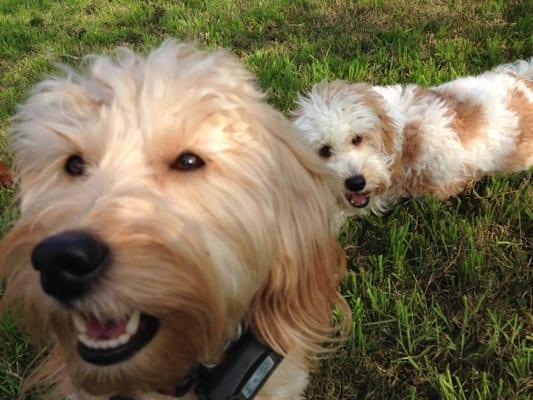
(75, 165)
(356, 141)
(325, 151)
(187, 162)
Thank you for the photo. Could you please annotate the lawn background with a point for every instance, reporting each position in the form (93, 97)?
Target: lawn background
(441, 292)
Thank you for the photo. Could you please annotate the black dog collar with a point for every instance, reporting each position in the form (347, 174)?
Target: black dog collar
(246, 366)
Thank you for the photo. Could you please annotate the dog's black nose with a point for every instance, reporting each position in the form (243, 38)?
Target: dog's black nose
(355, 183)
(69, 262)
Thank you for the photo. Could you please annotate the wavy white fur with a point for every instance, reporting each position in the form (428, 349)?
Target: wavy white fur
(413, 141)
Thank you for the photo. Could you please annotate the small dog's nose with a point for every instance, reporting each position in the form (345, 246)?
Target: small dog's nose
(69, 262)
(355, 183)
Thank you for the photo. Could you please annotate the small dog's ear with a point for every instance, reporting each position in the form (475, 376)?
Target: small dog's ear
(293, 312)
(376, 102)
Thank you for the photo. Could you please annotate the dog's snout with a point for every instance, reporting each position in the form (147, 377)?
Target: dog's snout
(355, 183)
(68, 263)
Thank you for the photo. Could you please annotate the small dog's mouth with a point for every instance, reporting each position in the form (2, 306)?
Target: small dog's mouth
(358, 200)
(111, 342)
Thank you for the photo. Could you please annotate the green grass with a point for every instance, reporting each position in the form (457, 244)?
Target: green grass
(441, 292)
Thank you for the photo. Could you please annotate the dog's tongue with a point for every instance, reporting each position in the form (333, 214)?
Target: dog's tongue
(105, 331)
(358, 198)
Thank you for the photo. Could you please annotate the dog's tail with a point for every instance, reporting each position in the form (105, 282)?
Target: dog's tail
(524, 68)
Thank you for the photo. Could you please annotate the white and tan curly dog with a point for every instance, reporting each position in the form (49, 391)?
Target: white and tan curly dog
(388, 142)
(164, 205)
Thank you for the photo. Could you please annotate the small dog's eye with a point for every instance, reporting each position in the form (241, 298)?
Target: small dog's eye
(75, 165)
(325, 151)
(356, 141)
(187, 162)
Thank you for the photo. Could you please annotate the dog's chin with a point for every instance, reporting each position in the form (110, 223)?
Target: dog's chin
(105, 342)
(358, 199)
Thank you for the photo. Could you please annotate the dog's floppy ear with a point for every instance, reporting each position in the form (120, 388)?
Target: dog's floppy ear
(375, 101)
(294, 308)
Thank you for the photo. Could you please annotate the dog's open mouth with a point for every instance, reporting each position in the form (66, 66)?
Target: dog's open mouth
(358, 200)
(109, 342)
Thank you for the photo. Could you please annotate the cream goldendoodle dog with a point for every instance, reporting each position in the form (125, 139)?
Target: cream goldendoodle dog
(164, 205)
(388, 142)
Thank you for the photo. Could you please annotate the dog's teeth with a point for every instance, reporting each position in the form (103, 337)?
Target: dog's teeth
(104, 344)
(133, 323)
(131, 328)
(88, 341)
(79, 323)
(109, 344)
(123, 339)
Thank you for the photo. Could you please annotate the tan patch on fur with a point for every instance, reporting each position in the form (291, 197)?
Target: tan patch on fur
(412, 142)
(522, 158)
(418, 185)
(469, 122)
(450, 189)
(526, 82)
(421, 185)
(375, 101)
(468, 118)
(407, 181)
